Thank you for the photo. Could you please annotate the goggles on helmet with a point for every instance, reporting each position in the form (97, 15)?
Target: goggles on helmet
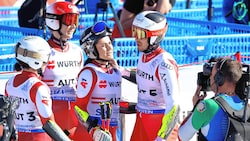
(99, 28)
(69, 19)
(140, 33)
(31, 54)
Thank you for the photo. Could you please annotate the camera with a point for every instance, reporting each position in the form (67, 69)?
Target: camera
(242, 85)
(204, 76)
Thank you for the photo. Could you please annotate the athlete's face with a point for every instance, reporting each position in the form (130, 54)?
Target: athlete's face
(105, 48)
(142, 44)
(67, 32)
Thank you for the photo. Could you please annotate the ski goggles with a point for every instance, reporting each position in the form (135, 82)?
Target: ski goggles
(70, 18)
(99, 28)
(140, 33)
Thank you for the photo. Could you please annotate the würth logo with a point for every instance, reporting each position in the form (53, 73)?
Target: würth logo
(51, 64)
(103, 84)
(84, 84)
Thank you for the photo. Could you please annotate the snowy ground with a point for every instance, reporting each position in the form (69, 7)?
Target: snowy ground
(188, 78)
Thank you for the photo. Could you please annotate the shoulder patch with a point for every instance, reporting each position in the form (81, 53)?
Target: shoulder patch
(201, 107)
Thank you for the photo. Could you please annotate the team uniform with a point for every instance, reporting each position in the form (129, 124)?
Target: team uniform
(157, 81)
(210, 118)
(97, 84)
(61, 77)
(35, 105)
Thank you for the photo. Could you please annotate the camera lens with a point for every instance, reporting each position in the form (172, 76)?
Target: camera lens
(151, 2)
(204, 82)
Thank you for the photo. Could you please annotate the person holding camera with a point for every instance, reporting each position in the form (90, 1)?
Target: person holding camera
(207, 116)
(133, 7)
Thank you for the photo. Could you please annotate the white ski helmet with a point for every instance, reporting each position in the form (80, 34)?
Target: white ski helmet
(151, 25)
(91, 35)
(33, 51)
(61, 12)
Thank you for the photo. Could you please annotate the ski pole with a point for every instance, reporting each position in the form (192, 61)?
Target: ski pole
(84, 119)
(109, 111)
(102, 114)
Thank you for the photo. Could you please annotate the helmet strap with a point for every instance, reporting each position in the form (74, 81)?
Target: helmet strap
(58, 41)
(102, 59)
(151, 47)
(40, 72)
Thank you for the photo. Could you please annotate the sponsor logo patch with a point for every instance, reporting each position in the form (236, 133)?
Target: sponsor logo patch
(201, 107)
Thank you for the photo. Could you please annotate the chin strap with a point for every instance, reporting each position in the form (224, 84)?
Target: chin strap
(151, 47)
(60, 40)
(40, 72)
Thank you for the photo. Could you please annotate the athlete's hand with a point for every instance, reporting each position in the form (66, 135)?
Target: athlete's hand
(113, 63)
(101, 135)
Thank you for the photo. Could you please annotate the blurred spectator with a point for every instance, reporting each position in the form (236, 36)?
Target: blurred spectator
(131, 8)
(236, 11)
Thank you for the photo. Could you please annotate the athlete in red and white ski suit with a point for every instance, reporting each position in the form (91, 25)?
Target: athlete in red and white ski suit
(157, 80)
(99, 84)
(35, 103)
(64, 64)
(99, 81)
(60, 75)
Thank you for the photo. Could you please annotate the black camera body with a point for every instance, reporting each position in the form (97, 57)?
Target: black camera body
(241, 87)
(204, 77)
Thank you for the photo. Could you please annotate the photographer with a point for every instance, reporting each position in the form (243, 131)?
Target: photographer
(132, 7)
(203, 81)
(210, 119)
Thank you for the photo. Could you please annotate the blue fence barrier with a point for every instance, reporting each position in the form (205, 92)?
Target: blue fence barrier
(177, 27)
(7, 57)
(198, 14)
(12, 34)
(193, 4)
(187, 27)
(86, 20)
(187, 50)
